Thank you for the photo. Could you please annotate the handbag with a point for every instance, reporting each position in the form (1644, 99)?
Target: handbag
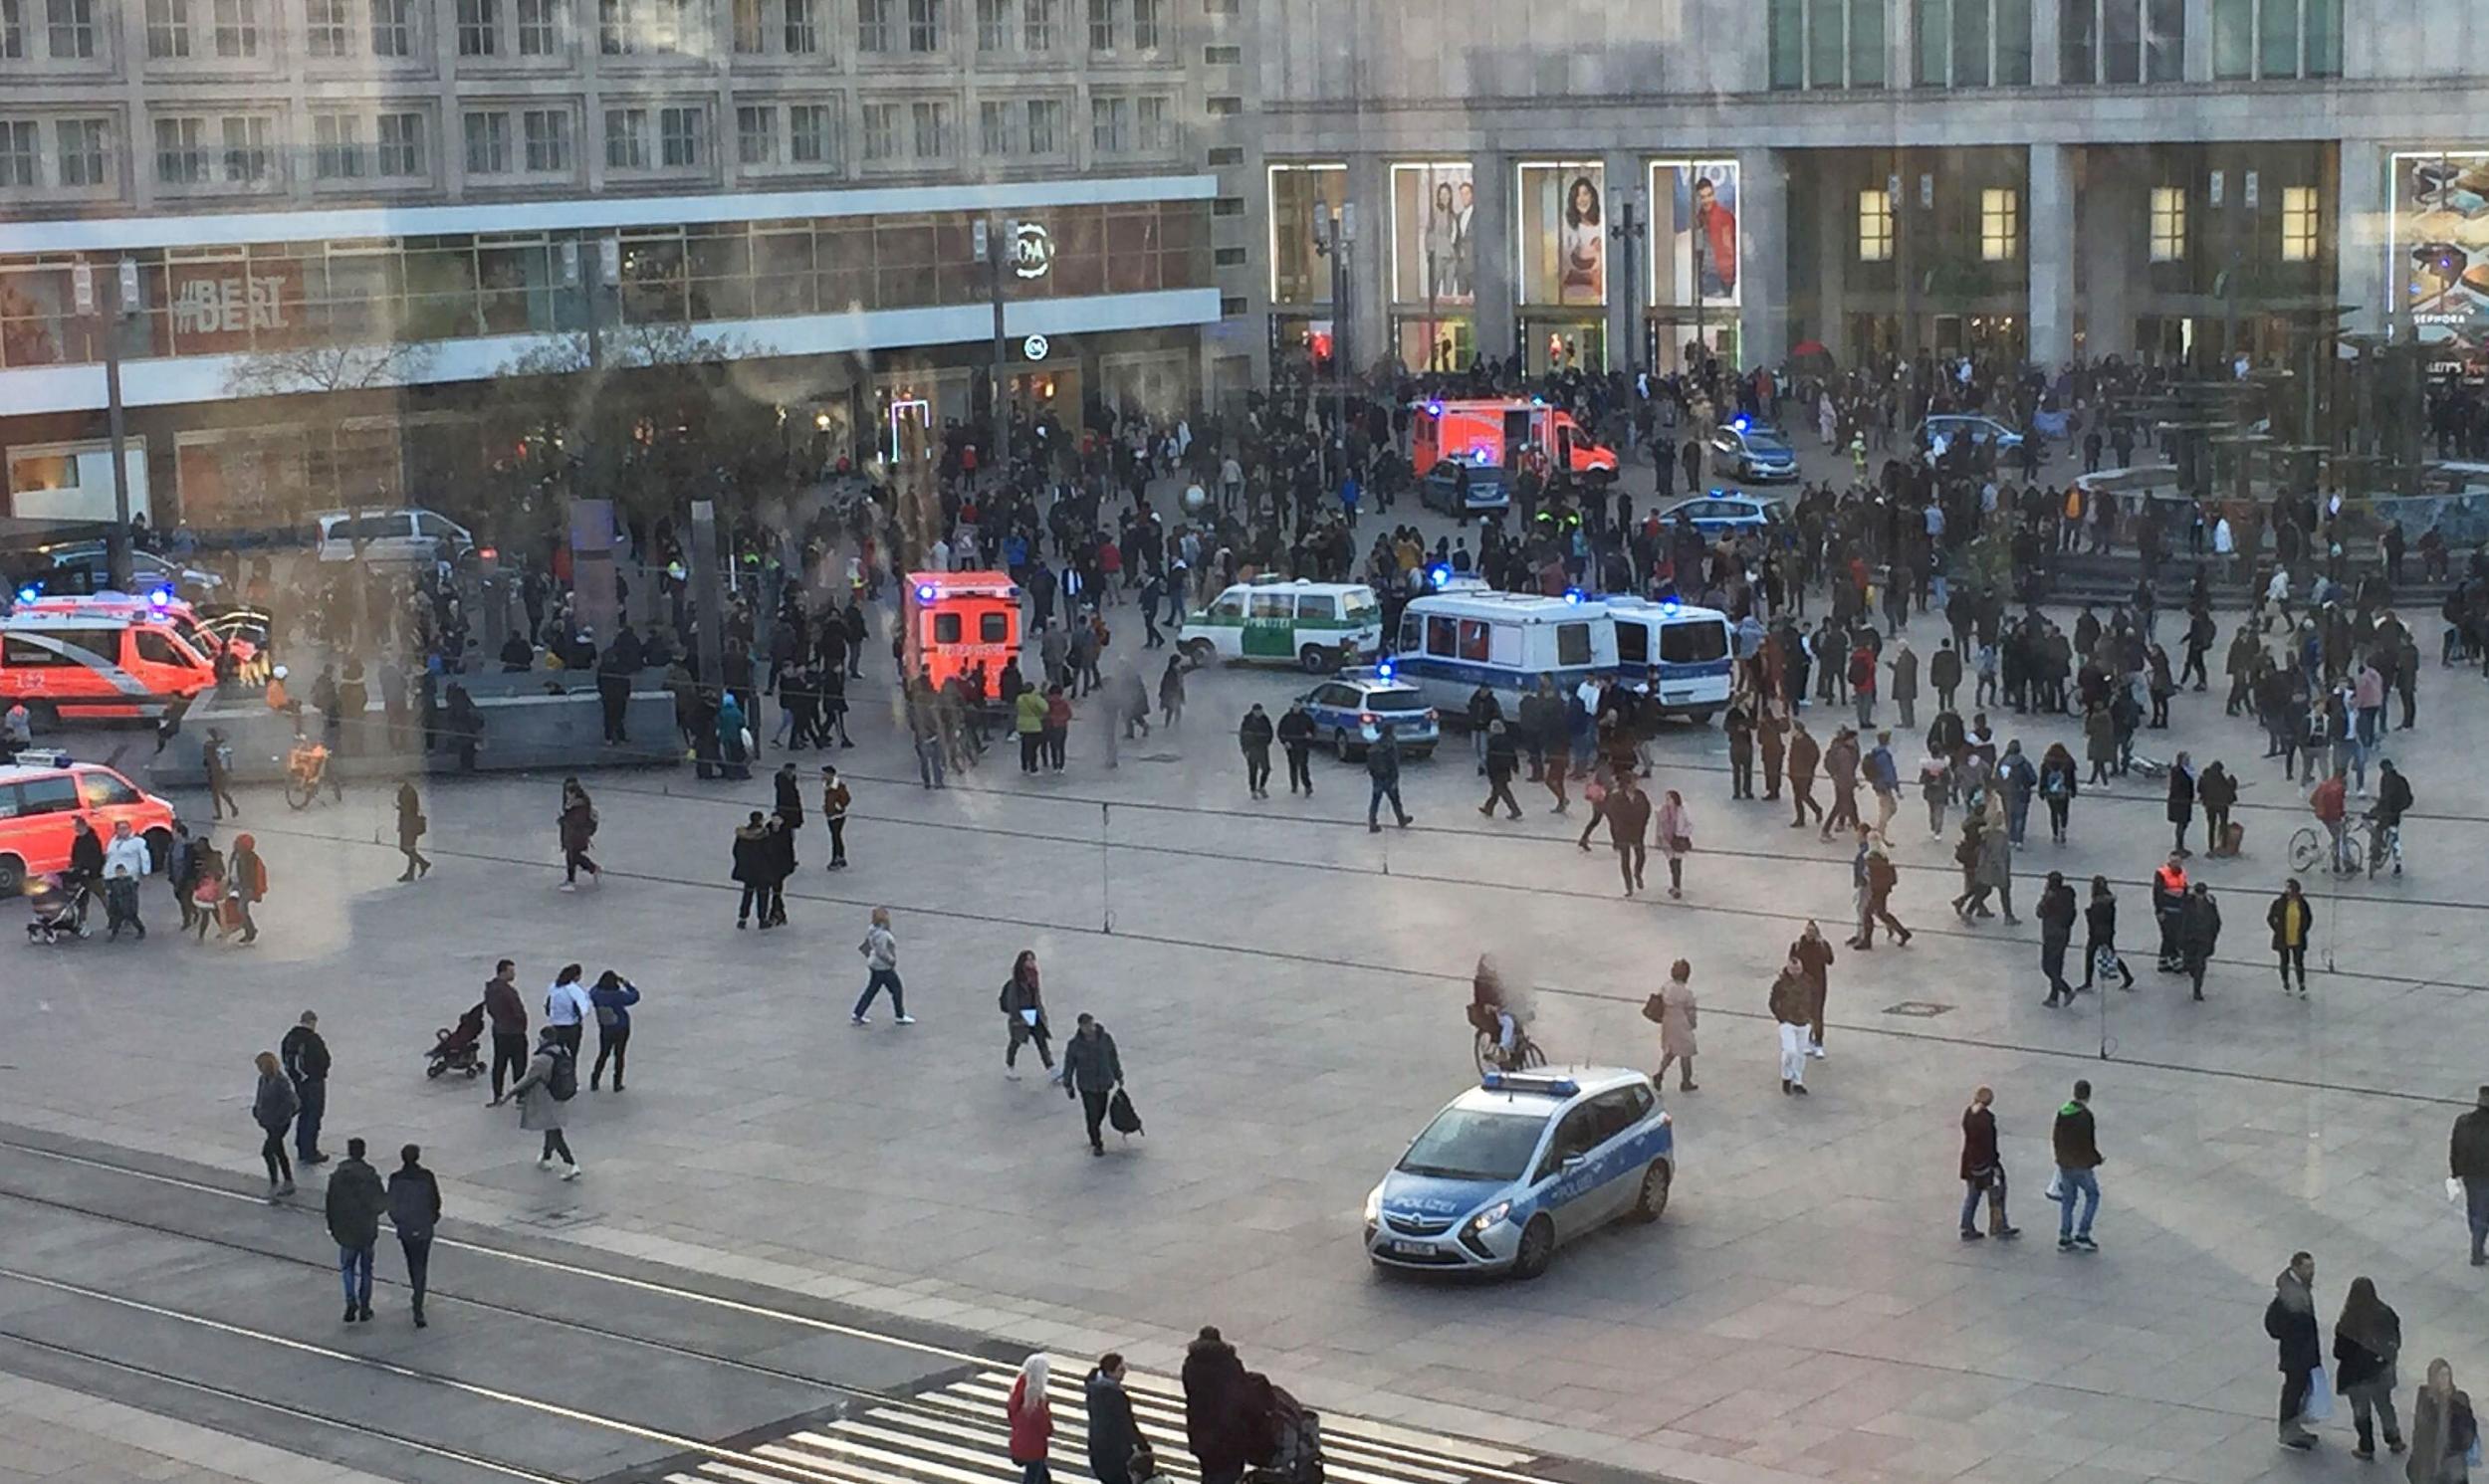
(1655, 1009)
(2105, 962)
(1680, 844)
(2320, 1397)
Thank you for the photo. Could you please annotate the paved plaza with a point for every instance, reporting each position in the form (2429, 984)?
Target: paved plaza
(1288, 993)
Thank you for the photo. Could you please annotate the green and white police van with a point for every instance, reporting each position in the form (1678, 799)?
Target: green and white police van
(1318, 626)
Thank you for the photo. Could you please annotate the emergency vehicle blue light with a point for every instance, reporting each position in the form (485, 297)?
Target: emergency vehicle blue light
(1385, 669)
(1670, 606)
(29, 593)
(924, 592)
(1538, 401)
(161, 596)
(1738, 424)
(1440, 573)
(1562, 1087)
(1572, 595)
(1434, 409)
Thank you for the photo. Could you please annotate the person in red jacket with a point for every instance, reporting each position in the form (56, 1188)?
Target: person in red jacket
(1032, 1420)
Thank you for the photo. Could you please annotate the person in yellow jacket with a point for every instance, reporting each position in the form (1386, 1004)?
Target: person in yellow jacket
(2291, 918)
(1028, 721)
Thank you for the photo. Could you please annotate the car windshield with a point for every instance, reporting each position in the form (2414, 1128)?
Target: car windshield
(1399, 698)
(1462, 1145)
(1765, 443)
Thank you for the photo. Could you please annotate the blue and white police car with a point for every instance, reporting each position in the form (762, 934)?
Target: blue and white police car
(1351, 708)
(1519, 1165)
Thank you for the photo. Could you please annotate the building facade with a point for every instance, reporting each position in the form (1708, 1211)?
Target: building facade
(309, 226)
(1574, 181)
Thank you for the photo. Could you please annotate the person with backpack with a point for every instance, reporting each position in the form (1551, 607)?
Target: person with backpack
(612, 999)
(1091, 1070)
(552, 1081)
(1114, 1435)
(1024, 1013)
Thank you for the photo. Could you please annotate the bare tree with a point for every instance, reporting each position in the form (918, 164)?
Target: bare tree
(324, 368)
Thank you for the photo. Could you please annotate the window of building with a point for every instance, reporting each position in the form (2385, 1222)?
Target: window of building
(755, 134)
(1152, 121)
(626, 138)
(1110, 125)
(1046, 127)
(1227, 206)
(1226, 154)
(325, 27)
(881, 131)
(70, 29)
(924, 25)
(1228, 256)
(931, 121)
(83, 146)
(12, 31)
(2169, 224)
(337, 146)
(397, 146)
(1222, 55)
(540, 27)
(993, 25)
(678, 138)
(872, 25)
(1875, 226)
(2276, 39)
(236, 28)
(547, 133)
(168, 29)
(1145, 29)
(2000, 225)
(750, 28)
(2299, 223)
(1973, 43)
(392, 28)
(488, 144)
(614, 36)
(802, 28)
(811, 135)
(2122, 40)
(1825, 43)
(21, 153)
(249, 150)
(1037, 25)
(998, 127)
(1103, 20)
(180, 151)
(478, 28)
(1231, 305)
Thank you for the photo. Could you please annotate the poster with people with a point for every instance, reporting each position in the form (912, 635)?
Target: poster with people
(2439, 245)
(1563, 233)
(1434, 204)
(1699, 247)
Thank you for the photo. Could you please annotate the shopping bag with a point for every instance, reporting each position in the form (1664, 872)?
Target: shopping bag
(2455, 1190)
(2320, 1397)
(2056, 1186)
(1120, 1115)
(2105, 962)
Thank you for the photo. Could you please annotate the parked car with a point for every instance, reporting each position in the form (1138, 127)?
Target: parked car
(1752, 452)
(1726, 509)
(393, 537)
(39, 803)
(1938, 433)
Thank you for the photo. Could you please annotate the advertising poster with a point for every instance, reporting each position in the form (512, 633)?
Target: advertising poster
(1433, 207)
(1563, 233)
(1699, 245)
(2439, 245)
(1298, 274)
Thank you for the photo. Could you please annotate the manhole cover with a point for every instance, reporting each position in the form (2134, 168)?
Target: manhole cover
(1922, 1009)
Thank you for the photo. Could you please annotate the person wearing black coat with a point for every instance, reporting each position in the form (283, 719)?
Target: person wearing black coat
(354, 1202)
(2291, 1320)
(1253, 736)
(2367, 1339)
(414, 1209)
(1219, 1427)
(2199, 933)
(754, 861)
(2181, 810)
(1113, 1434)
(789, 790)
(1092, 1072)
(2056, 914)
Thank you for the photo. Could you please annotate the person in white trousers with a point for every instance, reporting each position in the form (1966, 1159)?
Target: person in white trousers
(1794, 1008)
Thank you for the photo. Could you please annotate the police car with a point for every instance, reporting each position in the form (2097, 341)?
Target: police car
(1520, 1165)
(1351, 708)
(1753, 452)
(1725, 510)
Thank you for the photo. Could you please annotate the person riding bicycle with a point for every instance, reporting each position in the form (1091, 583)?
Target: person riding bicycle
(1490, 1014)
(307, 767)
(2331, 803)
(2393, 800)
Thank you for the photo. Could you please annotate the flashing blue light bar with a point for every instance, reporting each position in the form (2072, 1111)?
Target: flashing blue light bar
(1572, 595)
(1670, 606)
(924, 592)
(161, 596)
(1738, 424)
(1520, 1082)
(29, 593)
(1385, 669)
(1440, 573)
(1434, 409)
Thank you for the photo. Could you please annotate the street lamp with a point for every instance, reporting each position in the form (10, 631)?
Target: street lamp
(1334, 234)
(119, 298)
(1627, 230)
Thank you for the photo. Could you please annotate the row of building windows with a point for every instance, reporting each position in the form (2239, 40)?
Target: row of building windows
(2300, 223)
(244, 149)
(244, 30)
(1831, 43)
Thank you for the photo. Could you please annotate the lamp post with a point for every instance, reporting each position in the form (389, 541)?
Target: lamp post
(994, 241)
(1334, 234)
(1627, 230)
(119, 296)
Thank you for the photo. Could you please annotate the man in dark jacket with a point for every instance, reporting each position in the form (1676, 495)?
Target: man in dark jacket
(1982, 1171)
(1253, 736)
(1217, 1428)
(1383, 772)
(2074, 1138)
(414, 1209)
(306, 1058)
(1113, 1434)
(509, 1016)
(2056, 914)
(1092, 1072)
(756, 866)
(2199, 933)
(1295, 734)
(2467, 1159)
(2291, 1320)
(355, 1201)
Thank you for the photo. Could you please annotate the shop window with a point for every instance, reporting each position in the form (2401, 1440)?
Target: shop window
(2000, 225)
(2300, 223)
(1875, 226)
(2169, 224)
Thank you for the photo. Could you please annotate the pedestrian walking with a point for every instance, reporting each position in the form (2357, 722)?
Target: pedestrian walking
(1995, 870)
(127, 862)
(410, 827)
(1813, 957)
(2444, 1433)
(787, 795)
(1032, 1421)
(1805, 757)
(1504, 760)
(1675, 825)
(2217, 792)
(2056, 914)
(508, 1015)
(2199, 935)
(414, 1203)
(1029, 723)
(1114, 1435)
(1383, 772)
(2293, 919)
(1678, 1016)
(1171, 694)
(2467, 1166)
(1295, 734)
(1058, 725)
(754, 869)
(1023, 1004)
(551, 1082)
(305, 1057)
(274, 1104)
(2058, 788)
(1982, 1171)
(578, 827)
(2169, 909)
(1628, 811)
(2075, 1141)
(1873, 878)
(1253, 737)
(836, 798)
(355, 1202)
(2100, 939)
(880, 949)
(1737, 726)
(2290, 1319)
(612, 999)
(1791, 1012)
(246, 885)
(1092, 1070)
(2180, 811)
(2366, 1338)
(216, 757)
(567, 1009)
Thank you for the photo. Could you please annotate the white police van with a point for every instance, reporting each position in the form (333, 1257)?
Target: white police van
(1678, 655)
(1520, 1165)
(1469, 635)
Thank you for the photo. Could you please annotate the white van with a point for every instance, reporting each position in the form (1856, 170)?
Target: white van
(1680, 656)
(1450, 642)
(393, 537)
(1318, 626)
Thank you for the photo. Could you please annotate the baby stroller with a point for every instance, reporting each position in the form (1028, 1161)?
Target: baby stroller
(57, 910)
(455, 1050)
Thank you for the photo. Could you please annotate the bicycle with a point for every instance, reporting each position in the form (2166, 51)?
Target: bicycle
(1490, 1056)
(2313, 847)
(306, 769)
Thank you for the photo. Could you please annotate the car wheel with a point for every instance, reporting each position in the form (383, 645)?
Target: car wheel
(1340, 743)
(1315, 660)
(1201, 654)
(1702, 716)
(12, 876)
(1653, 1202)
(1538, 1248)
(161, 849)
